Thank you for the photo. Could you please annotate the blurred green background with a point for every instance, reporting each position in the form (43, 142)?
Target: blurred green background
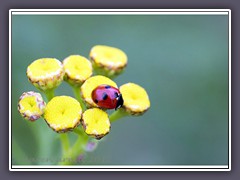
(181, 61)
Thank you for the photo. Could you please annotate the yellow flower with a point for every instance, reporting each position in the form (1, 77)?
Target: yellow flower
(45, 73)
(90, 84)
(108, 61)
(136, 100)
(63, 113)
(31, 105)
(96, 123)
(77, 69)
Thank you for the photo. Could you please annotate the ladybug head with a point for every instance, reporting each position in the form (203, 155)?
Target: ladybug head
(119, 101)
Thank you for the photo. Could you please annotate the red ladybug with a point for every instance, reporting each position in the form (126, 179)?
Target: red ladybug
(108, 97)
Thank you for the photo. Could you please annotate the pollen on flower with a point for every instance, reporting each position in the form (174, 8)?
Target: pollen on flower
(136, 100)
(109, 59)
(45, 73)
(31, 105)
(90, 84)
(63, 113)
(77, 69)
(96, 123)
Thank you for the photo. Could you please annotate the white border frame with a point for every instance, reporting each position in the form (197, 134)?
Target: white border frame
(121, 12)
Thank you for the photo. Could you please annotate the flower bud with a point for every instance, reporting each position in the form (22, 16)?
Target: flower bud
(108, 61)
(77, 69)
(31, 105)
(63, 113)
(90, 84)
(96, 123)
(46, 73)
(136, 100)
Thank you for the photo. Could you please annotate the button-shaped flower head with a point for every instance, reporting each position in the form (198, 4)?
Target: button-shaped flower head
(31, 105)
(96, 123)
(63, 113)
(108, 61)
(45, 73)
(77, 69)
(136, 100)
(90, 84)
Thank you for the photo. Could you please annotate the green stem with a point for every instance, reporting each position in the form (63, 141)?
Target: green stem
(76, 91)
(78, 132)
(65, 142)
(49, 93)
(70, 157)
(120, 113)
(63, 137)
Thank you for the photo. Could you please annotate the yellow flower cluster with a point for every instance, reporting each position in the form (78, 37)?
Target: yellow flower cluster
(64, 113)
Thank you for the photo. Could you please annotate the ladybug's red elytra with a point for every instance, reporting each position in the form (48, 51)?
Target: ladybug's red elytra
(106, 96)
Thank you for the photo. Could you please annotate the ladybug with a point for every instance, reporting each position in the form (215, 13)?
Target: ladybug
(106, 96)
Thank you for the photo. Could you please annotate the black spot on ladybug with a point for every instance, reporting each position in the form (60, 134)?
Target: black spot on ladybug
(96, 101)
(107, 86)
(104, 96)
(116, 94)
